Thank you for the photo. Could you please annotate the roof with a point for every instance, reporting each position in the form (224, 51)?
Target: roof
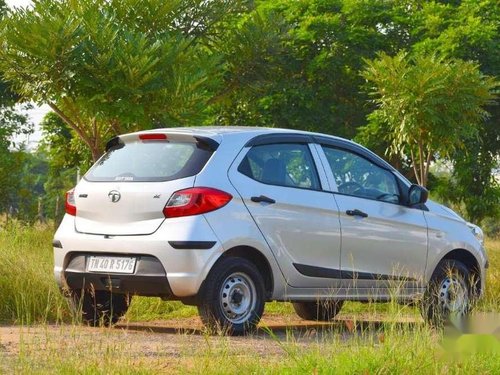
(216, 133)
(225, 130)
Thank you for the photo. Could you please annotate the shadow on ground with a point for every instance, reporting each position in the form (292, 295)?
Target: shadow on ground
(278, 328)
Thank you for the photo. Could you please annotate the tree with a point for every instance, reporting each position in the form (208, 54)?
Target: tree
(466, 30)
(65, 154)
(109, 67)
(12, 122)
(310, 53)
(7, 97)
(428, 104)
(29, 194)
(469, 30)
(63, 148)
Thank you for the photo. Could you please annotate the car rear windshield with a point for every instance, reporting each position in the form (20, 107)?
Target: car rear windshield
(150, 161)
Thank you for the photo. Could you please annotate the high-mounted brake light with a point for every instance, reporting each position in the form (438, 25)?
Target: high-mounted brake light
(152, 137)
(195, 201)
(70, 202)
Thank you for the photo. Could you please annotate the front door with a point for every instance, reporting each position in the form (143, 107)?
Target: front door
(383, 241)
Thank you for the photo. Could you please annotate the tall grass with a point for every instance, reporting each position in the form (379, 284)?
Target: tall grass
(491, 299)
(30, 295)
(334, 349)
(73, 350)
(407, 349)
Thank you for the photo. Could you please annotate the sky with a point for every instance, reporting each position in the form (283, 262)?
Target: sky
(17, 3)
(36, 115)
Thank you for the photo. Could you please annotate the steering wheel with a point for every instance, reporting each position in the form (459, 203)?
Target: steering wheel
(349, 187)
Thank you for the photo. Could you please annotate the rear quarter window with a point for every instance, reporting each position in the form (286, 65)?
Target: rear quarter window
(150, 161)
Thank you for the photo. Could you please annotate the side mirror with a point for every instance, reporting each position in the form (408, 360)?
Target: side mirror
(417, 195)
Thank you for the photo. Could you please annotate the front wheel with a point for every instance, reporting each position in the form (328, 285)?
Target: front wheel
(233, 297)
(99, 307)
(449, 294)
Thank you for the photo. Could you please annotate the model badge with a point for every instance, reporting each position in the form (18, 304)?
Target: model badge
(114, 196)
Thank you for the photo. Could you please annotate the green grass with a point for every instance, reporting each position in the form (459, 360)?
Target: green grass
(148, 309)
(29, 295)
(27, 288)
(73, 351)
(491, 298)
(391, 348)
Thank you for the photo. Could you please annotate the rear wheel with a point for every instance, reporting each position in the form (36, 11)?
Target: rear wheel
(319, 311)
(449, 294)
(99, 307)
(233, 297)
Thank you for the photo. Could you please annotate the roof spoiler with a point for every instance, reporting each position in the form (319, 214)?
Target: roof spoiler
(115, 142)
(202, 142)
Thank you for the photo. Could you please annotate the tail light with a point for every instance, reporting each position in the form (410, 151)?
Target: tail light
(70, 202)
(195, 201)
(152, 137)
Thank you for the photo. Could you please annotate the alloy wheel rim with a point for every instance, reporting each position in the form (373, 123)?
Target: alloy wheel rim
(237, 298)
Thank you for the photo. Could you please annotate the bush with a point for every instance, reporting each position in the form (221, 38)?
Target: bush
(491, 227)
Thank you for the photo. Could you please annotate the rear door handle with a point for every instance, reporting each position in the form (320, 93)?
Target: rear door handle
(356, 212)
(262, 198)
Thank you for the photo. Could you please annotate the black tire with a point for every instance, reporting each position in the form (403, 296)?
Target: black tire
(449, 295)
(99, 307)
(321, 311)
(245, 292)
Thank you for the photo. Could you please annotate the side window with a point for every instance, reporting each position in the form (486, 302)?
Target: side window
(358, 176)
(283, 164)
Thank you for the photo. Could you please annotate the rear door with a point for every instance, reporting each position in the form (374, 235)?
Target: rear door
(125, 192)
(279, 182)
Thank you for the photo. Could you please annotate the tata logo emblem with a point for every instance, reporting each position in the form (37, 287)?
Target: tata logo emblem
(114, 196)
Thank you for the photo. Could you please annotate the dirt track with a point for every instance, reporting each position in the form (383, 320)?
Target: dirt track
(179, 338)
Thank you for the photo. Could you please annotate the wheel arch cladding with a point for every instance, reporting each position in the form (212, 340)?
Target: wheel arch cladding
(469, 260)
(256, 257)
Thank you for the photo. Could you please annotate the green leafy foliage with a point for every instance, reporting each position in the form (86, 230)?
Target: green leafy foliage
(108, 67)
(65, 154)
(427, 105)
(12, 122)
(7, 97)
(304, 64)
(469, 30)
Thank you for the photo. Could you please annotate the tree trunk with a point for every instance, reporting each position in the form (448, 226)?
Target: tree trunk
(96, 153)
(92, 141)
(421, 164)
(414, 165)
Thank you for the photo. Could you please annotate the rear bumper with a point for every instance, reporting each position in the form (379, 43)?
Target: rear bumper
(182, 271)
(149, 278)
(139, 285)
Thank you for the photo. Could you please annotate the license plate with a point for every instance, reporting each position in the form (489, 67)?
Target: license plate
(111, 264)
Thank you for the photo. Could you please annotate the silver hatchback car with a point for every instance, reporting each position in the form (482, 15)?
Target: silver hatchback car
(229, 218)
